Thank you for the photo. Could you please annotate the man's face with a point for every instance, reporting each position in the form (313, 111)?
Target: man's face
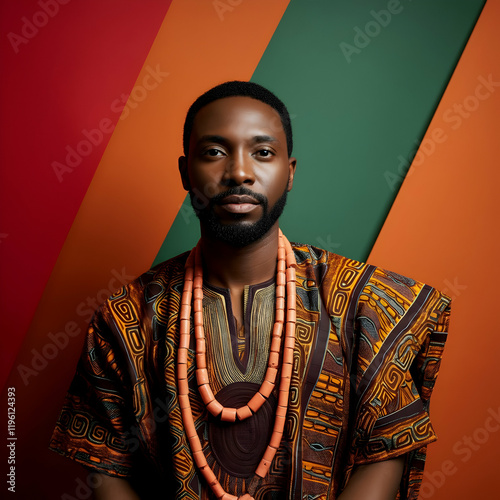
(237, 171)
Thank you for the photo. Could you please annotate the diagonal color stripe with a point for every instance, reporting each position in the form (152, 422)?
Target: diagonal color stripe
(443, 229)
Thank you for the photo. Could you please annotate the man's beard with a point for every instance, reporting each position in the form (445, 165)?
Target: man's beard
(237, 234)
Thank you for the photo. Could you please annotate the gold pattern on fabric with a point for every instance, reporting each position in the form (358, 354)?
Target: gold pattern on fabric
(223, 368)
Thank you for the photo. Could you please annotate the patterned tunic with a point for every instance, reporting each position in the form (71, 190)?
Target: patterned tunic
(367, 353)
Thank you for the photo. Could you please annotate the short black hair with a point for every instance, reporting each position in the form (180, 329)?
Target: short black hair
(236, 89)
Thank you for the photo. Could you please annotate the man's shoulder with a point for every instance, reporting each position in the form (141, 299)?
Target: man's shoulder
(345, 281)
(165, 270)
(311, 255)
(347, 269)
(159, 277)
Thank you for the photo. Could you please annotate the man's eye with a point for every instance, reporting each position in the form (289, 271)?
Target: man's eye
(213, 152)
(264, 153)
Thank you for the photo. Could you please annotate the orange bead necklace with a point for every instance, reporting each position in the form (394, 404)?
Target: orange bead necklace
(193, 292)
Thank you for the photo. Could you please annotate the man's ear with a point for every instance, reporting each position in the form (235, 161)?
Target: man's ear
(292, 165)
(184, 173)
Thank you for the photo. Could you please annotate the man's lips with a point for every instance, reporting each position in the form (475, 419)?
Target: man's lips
(238, 204)
(238, 199)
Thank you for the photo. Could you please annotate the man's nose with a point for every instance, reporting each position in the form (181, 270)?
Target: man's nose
(239, 170)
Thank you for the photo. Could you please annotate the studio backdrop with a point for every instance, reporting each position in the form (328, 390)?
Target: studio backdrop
(395, 108)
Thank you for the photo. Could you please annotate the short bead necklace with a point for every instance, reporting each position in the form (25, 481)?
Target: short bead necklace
(193, 291)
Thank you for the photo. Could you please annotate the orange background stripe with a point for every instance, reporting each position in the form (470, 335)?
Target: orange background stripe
(443, 229)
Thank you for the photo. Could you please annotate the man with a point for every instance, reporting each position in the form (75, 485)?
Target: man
(305, 376)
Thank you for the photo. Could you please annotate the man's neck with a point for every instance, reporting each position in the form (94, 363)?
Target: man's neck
(233, 268)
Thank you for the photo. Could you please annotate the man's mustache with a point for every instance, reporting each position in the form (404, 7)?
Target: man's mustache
(240, 191)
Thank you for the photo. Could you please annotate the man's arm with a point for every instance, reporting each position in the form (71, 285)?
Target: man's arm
(377, 481)
(112, 488)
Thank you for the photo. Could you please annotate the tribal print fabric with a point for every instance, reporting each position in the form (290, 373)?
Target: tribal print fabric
(368, 347)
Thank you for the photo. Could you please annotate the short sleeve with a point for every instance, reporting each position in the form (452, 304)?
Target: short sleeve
(401, 329)
(91, 426)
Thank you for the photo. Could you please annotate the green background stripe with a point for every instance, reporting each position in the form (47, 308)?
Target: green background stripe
(355, 113)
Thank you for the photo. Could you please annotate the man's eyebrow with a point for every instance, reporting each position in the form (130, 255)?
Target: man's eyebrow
(219, 139)
(212, 138)
(264, 138)
(222, 140)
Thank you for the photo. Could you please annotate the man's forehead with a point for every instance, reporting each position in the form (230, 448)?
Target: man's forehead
(238, 109)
